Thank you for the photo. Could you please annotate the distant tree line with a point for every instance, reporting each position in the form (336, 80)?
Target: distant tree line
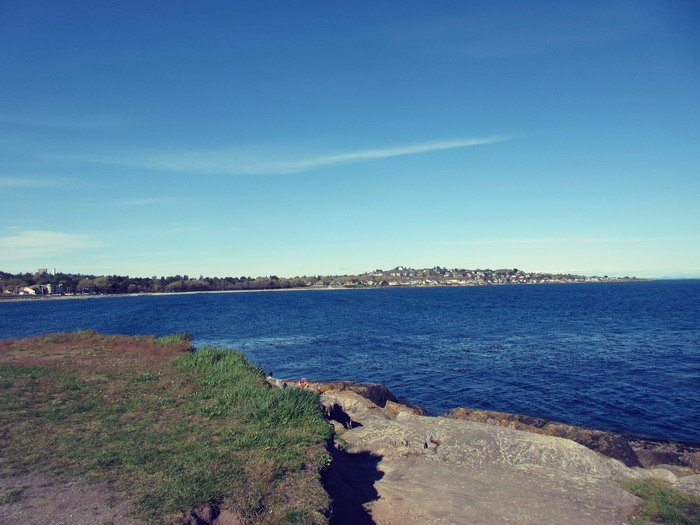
(43, 282)
(118, 284)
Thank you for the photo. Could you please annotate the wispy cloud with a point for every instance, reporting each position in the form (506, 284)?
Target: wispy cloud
(382, 153)
(40, 243)
(565, 240)
(242, 162)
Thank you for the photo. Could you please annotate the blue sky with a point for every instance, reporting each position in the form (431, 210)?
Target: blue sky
(289, 138)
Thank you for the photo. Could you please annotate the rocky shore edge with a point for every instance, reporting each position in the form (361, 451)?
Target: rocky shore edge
(414, 468)
(393, 464)
(680, 457)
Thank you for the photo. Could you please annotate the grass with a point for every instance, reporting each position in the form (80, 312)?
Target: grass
(663, 504)
(174, 428)
(175, 338)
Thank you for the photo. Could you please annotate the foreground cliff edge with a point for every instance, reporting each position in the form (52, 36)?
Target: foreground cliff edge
(99, 429)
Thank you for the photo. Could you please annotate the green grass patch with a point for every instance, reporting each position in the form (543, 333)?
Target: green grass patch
(200, 427)
(182, 337)
(663, 503)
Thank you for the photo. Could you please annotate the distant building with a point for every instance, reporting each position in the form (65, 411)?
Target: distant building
(54, 289)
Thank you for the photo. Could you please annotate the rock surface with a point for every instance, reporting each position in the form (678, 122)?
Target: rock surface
(608, 443)
(379, 396)
(437, 470)
(412, 468)
(690, 484)
(653, 453)
(477, 466)
(682, 458)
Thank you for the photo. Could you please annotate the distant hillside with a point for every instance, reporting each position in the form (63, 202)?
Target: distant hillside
(45, 283)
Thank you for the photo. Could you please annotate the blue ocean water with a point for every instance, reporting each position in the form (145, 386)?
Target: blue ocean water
(615, 356)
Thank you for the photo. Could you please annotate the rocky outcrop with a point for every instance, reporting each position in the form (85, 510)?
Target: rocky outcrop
(690, 484)
(472, 466)
(374, 392)
(682, 458)
(440, 470)
(607, 443)
(653, 452)
(340, 398)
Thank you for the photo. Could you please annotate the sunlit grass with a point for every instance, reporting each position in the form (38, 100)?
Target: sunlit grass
(663, 503)
(176, 432)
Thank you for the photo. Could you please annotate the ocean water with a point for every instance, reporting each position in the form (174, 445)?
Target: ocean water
(615, 356)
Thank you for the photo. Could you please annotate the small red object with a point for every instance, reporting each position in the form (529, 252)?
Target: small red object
(303, 382)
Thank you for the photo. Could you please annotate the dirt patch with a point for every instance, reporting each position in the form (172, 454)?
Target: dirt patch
(38, 499)
(88, 350)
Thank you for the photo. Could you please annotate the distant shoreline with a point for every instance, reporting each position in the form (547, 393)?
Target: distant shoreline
(25, 298)
(156, 294)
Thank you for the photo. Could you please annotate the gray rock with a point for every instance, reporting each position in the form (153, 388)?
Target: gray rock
(690, 484)
(438, 470)
(608, 443)
(471, 444)
(657, 473)
(404, 467)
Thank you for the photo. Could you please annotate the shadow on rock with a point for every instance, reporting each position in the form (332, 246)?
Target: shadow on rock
(336, 413)
(350, 484)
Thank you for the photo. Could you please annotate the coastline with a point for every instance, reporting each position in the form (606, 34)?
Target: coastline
(682, 457)
(25, 298)
(358, 455)
(161, 294)
(418, 468)
(114, 317)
